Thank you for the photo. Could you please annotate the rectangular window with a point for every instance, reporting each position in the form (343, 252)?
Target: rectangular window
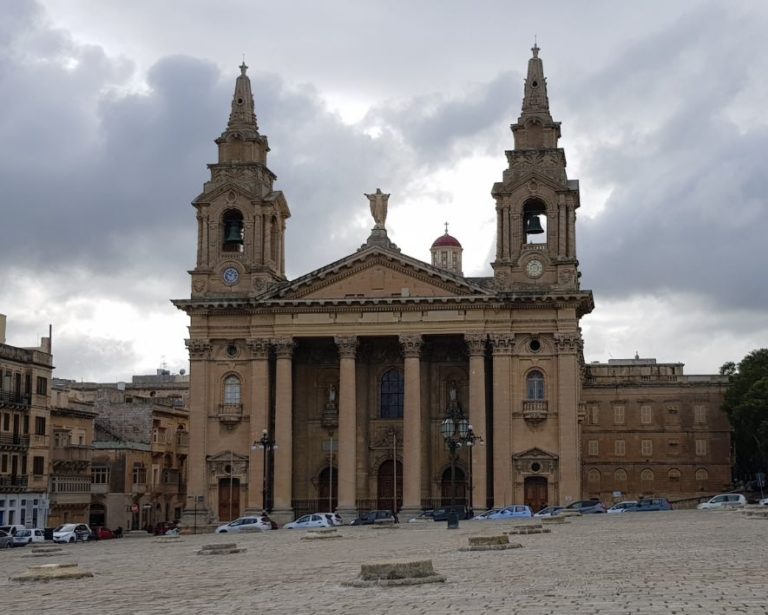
(27, 384)
(42, 385)
(4, 463)
(38, 465)
(100, 475)
(6, 422)
(619, 448)
(646, 448)
(701, 448)
(40, 425)
(699, 414)
(618, 415)
(139, 474)
(594, 415)
(593, 447)
(646, 416)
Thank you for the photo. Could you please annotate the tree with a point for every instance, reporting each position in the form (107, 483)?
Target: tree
(746, 404)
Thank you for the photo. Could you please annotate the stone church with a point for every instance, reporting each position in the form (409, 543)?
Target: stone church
(381, 381)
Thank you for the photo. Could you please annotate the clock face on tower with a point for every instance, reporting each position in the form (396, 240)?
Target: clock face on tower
(231, 276)
(534, 268)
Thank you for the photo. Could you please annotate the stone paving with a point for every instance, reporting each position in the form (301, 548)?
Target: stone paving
(645, 563)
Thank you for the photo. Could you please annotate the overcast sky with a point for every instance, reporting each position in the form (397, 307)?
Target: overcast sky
(110, 108)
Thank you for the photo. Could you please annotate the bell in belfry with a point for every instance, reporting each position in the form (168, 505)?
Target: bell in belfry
(532, 225)
(234, 232)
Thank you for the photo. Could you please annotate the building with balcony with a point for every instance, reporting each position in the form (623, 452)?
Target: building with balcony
(25, 376)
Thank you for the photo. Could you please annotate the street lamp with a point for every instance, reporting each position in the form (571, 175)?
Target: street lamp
(470, 439)
(454, 430)
(267, 444)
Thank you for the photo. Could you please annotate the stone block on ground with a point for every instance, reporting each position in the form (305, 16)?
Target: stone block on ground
(44, 552)
(136, 534)
(52, 572)
(490, 543)
(554, 520)
(396, 573)
(225, 548)
(323, 534)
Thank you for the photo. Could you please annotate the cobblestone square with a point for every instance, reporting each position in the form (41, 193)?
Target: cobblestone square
(677, 562)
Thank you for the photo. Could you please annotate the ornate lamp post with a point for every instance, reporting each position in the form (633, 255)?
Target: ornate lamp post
(267, 444)
(454, 431)
(470, 440)
(330, 421)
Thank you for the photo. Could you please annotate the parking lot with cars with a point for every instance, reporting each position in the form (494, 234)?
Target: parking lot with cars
(686, 562)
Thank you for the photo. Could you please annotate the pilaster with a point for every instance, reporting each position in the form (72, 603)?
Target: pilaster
(283, 475)
(259, 421)
(411, 345)
(347, 454)
(503, 345)
(476, 343)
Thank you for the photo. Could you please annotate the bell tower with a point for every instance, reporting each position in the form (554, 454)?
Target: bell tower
(535, 201)
(240, 218)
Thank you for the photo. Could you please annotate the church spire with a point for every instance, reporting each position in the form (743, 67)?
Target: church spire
(242, 117)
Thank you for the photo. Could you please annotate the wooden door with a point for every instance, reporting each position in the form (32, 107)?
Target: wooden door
(459, 487)
(327, 490)
(229, 499)
(386, 483)
(536, 492)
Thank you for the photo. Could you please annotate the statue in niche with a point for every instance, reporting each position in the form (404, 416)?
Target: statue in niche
(378, 202)
(332, 394)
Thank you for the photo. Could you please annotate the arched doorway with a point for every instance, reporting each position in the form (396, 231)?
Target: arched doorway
(535, 495)
(390, 480)
(229, 499)
(327, 500)
(460, 487)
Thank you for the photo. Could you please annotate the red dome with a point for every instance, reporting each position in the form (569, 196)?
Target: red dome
(446, 240)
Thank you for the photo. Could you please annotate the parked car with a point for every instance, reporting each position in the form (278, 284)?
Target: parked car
(72, 532)
(315, 520)
(763, 502)
(651, 505)
(102, 533)
(163, 526)
(375, 516)
(724, 500)
(23, 537)
(5, 540)
(12, 529)
(245, 524)
(586, 507)
(441, 514)
(549, 511)
(622, 507)
(485, 515)
(422, 516)
(516, 511)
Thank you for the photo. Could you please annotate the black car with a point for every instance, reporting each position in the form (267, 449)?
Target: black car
(375, 516)
(441, 514)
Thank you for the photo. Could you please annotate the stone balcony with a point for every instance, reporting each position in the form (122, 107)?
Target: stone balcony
(72, 453)
(535, 410)
(230, 414)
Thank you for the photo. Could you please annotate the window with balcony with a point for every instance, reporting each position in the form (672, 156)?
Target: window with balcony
(232, 390)
(100, 475)
(535, 385)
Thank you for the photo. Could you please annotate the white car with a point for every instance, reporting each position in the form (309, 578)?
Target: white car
(724, 500)
(71, 532)
(621, 507)
(309, 521)
(245, 524)
(763, 502)
(25, 537)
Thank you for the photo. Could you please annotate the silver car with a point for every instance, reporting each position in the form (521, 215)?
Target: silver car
(5, 540)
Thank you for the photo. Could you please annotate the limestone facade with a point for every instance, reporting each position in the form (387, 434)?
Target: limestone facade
(329, 391)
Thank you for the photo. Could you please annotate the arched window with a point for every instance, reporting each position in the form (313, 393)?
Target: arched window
(702, 478)
(274, 237)
(535, 382)
(232, 390)
(391, 402)
(232, 225)
(620, 476)
(593, 476)
(535, 221)
(646, 477)
(674, 475)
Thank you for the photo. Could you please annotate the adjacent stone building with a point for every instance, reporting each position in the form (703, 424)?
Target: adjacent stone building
(25, 429)
(332, 390)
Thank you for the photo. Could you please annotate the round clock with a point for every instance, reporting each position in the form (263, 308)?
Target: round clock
(534, 268)
(231, 276)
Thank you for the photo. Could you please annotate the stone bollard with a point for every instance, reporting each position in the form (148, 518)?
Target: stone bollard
(169, 539)
(225, 548)
(44, 552)
(380, 524)
(567, 513)
(52, 572)
(558, 520)
(760, 512)
(490, 543)
(534, 528)
(136, 534)
(396, 573)
(324, 534)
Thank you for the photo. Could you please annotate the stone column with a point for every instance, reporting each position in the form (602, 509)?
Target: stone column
(503, 479)
(347, 453)
(196, 514)
(412, 425)
(259, 421)
(283, 485)
(568, 348)
(476, 347)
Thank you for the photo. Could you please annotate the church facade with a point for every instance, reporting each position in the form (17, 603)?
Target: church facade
(379, 380)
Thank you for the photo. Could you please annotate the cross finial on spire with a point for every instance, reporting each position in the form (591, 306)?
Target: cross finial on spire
(446, 227)
(535, 47)
(243, 66)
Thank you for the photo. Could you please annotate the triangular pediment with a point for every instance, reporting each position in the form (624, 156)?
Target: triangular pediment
(377, 273)
(534, 453)
(515, 180)
(226, 456)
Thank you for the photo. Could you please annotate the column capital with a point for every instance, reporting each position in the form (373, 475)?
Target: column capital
(476, 343)
(199, 348)
(284, 347)
(568, 342)
(502, 343)
(259, 347)
(411, 345)
(347, 345)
